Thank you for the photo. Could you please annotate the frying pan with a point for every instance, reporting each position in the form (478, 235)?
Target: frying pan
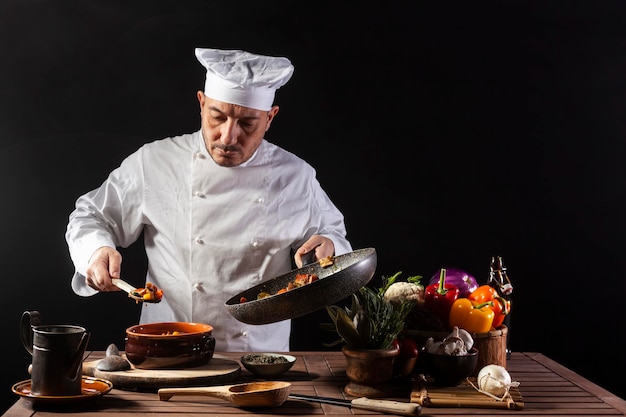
(348, 273)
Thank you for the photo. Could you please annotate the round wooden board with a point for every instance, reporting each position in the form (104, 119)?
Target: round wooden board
(218, 371)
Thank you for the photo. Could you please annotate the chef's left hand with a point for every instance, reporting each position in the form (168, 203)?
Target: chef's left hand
(320, 246)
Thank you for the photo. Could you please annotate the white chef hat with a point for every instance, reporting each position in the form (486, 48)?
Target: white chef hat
(243, 78)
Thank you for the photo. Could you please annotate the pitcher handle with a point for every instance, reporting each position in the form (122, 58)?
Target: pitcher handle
(76, 368)
(29, 319)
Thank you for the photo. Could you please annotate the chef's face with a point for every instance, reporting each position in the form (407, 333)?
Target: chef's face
(232, 133)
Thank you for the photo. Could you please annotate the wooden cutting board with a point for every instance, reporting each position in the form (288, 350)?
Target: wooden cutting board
(218, 371)
(427, 394)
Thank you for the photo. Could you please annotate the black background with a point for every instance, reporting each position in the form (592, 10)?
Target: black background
(447, 132)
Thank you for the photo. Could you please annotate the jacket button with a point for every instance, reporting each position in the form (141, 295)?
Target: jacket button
(198, 286)
(198, 194)
(199, 241)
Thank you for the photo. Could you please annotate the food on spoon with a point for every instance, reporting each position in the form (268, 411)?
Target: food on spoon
(150, 293)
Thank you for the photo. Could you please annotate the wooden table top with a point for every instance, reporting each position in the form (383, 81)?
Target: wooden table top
(547, 388)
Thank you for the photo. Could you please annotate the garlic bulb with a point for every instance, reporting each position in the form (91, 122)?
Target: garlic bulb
(466, 336)
(457, 343)
(432, 346)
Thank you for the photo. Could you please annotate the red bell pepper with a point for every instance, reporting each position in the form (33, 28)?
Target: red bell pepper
(439, 297)
(500, 306)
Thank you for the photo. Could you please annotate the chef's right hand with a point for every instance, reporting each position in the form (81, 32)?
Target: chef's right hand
(104, 264)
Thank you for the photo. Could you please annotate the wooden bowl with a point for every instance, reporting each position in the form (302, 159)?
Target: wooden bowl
(169, 345)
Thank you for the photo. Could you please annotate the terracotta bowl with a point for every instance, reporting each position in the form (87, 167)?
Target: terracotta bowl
(449, 370)
(172, 345)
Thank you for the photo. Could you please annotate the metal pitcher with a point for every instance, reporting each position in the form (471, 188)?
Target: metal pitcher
(57, 352)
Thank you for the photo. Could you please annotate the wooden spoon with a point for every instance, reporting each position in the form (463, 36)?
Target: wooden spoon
(125, 286)
(253, 394)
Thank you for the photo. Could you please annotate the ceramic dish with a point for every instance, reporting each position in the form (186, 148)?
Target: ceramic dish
(169, 345)
(449, 370)
(267, 365)
(91, 388)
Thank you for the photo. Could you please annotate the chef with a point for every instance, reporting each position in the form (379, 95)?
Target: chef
(221, 209)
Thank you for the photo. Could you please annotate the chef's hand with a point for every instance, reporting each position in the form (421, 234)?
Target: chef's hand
(104, 264)
(318, 246)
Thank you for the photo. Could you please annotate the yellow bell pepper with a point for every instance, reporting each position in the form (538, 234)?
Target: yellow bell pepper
(472, 316)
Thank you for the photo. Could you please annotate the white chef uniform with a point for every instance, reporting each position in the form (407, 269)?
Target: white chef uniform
(210, 232)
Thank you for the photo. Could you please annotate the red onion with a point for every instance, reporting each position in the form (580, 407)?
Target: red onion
(465, 282)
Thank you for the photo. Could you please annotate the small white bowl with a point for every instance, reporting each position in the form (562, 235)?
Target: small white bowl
(267, 365)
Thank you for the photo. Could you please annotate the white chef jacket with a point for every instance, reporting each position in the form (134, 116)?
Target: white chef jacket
(210, 232)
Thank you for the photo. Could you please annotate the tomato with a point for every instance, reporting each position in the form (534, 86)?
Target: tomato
(408, 348)
(407, 357)
(395, 344)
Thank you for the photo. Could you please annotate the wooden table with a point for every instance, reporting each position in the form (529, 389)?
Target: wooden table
(547, 388)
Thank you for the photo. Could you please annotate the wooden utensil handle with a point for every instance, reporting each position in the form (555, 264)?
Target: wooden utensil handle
(388, 407)
(123, 285)
(167, 393)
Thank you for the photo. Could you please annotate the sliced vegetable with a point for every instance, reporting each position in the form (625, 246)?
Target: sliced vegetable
(300, 280)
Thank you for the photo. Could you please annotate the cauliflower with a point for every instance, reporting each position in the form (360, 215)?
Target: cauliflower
(405, 291)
